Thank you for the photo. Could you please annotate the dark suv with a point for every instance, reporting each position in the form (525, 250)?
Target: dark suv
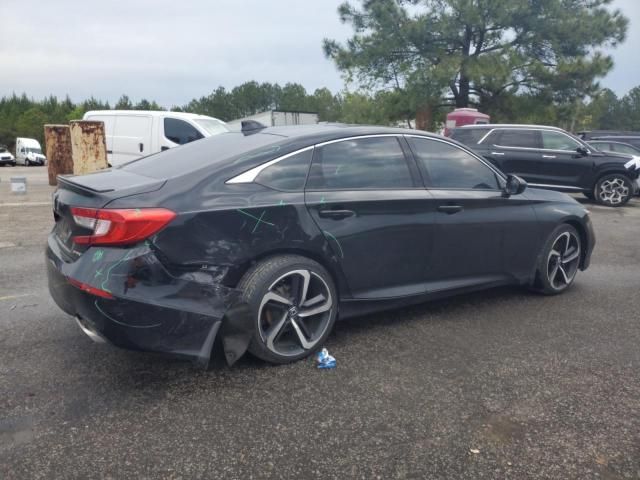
(549, 157)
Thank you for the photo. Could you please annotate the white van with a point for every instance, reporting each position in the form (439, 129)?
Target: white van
(131, 134)
(29, 152)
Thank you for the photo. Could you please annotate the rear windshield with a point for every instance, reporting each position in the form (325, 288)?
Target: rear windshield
(216, 150)
(468, 136)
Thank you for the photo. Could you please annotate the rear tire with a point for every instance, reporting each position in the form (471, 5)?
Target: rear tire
(293, 303)
(559, 261)
(613, 190)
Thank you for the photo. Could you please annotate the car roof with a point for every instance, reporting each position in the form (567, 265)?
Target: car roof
(490, 126)
(321, 132)
(151, 113)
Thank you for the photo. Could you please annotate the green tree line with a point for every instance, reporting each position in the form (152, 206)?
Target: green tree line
(21, 116)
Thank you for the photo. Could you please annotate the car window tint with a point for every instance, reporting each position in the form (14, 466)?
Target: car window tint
(451, 167)
(558, 141)
(288, 174)
(468, 136)
(617, 147)
(517, 138)
(180, 132)
(377, 162)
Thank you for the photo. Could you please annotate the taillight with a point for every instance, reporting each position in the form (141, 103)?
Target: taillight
(119, 226)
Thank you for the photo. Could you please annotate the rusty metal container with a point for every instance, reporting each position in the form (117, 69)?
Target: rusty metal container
(88, 146)
(57, 140)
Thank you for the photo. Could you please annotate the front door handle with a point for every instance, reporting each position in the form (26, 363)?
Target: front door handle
(141, 145)
(548, 156)
(336, 214)
(497, 153)
(163, 148)
(450, 209)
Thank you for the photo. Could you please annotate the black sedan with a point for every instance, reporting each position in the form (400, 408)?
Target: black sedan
(262, 239)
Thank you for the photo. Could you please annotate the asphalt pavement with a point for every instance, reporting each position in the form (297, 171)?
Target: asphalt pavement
(498, 384)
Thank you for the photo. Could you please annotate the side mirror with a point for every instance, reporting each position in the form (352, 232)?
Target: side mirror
(582, 151)
(514, 186)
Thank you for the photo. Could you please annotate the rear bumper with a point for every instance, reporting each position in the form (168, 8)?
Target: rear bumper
(150, 309)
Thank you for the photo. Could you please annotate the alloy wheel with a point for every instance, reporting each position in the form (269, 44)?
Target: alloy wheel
(563, 260)
(613, 191)
(295, 312)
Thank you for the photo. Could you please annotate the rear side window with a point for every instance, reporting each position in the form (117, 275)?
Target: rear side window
(180, 132)
(451, 167)
(362, 163)
(558, 141)
(618, 147)
(517, 138)
(288, 174)
(468, 136)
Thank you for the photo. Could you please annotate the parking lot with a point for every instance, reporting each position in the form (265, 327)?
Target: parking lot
(498, 384)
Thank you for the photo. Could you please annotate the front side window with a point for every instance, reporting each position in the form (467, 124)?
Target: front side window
(451, 167)
(180, 132)
(517, 138)
(288, 174)
(558, 141)
(361, 163)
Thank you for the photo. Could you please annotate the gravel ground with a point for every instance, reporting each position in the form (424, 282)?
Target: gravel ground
(499, 384)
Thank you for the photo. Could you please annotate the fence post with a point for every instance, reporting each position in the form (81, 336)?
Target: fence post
(88, 146)
(57, 140)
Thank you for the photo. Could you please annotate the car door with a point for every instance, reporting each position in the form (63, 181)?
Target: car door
(131, 138)
(366, 197)
(482, 236)
(515, 151)
(560, 163)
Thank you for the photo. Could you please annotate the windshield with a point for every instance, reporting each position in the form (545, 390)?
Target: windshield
(3, 150)
(211, 126)
(34, 150)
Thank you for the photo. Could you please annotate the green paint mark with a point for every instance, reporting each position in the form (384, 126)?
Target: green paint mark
(322, 200)
(281, 203)
(97, 255)
(337, 169)
(258, 222)
(98, 273)
(328, 234)
(106, 280)
(138, 212)
(257, 219)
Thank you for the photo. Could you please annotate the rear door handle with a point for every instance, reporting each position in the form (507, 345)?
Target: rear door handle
(337, 214)
(497, 153)
(141, 147)
(548, 156)
(164, 148)
(450, 209)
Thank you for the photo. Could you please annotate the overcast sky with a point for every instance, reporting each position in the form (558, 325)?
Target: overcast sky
(172, 51)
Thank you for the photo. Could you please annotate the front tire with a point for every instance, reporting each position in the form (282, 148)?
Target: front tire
(293, 302)
(613, 190)
(559, 261)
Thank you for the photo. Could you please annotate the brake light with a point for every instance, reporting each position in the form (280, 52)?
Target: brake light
(119, 226)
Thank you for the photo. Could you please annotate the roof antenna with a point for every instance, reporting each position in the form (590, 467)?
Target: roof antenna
(249, 127)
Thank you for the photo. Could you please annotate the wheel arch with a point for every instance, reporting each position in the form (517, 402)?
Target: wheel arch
(584, 238)
(332, 268)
